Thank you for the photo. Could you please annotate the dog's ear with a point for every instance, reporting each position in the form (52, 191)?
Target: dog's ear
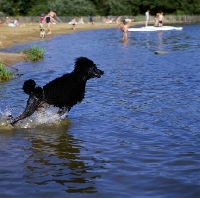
(82, 63)
(29, 86)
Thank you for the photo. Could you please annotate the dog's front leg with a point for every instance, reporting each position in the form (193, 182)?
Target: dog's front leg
(31, 107)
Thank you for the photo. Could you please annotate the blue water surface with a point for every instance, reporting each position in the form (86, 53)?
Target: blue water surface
(136, 133)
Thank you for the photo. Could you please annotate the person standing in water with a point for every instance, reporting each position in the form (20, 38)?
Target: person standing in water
(147, 17)
(160, 19)
(125, 29)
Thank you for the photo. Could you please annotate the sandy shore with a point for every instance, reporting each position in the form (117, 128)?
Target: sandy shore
(10, 36)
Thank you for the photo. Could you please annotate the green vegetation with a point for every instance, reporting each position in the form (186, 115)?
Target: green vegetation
(5, 74)
(35, 53)
(98, 7)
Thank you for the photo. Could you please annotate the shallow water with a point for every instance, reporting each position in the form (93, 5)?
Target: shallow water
(136, 133)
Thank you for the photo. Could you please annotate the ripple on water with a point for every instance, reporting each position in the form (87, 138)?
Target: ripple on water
(136, 133)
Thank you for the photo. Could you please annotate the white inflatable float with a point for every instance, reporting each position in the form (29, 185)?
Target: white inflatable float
(152, 28)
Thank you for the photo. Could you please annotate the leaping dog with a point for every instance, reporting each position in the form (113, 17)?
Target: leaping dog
(63, 92)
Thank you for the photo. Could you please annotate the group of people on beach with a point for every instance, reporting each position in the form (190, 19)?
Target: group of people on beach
(50, 18)
(73, 22)
(12, 23)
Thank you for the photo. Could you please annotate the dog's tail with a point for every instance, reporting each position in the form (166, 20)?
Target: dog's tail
(29, 86)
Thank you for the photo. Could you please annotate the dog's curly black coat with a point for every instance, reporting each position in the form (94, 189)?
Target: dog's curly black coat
(63, 92)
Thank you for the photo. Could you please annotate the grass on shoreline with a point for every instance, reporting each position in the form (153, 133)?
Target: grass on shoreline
(5, 74)
(35, 53)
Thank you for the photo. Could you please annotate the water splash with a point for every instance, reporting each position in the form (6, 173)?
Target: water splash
(4, 121)
(48, 117)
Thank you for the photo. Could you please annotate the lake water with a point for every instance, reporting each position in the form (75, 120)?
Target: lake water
(136, 133)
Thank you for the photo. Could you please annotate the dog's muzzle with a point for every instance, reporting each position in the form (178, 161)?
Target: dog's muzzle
(99, 73)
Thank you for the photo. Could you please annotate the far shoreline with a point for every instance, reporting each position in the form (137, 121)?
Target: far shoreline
(30, 32)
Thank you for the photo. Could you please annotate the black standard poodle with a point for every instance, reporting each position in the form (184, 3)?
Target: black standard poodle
(63, 92)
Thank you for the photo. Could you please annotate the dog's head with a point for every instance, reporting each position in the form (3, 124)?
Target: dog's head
(86, 68)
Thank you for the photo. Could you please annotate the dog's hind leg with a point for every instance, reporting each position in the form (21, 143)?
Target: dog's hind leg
(31, 107)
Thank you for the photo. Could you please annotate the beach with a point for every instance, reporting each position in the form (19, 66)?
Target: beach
(11, 36)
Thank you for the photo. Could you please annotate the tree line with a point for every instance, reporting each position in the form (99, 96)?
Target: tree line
(99, 7)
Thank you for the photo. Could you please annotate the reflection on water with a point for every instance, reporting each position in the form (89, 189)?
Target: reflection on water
(49, 157)
(136, 133)
(160, 38)
(55, 159)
